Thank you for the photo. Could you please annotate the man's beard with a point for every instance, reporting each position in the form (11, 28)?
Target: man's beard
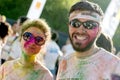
(76, 45)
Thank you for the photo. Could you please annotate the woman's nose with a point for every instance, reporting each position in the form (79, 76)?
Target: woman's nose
(32, 40)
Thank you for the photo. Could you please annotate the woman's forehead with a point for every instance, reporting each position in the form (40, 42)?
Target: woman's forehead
(34, 30)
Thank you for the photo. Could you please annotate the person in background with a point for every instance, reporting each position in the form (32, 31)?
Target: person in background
(15, 48)
(33, 37)
(67, 48)
(2, 18)
(55, 36)
(52, 54)
(88, 62)
(20, 21)
(105, 42)
(5, 31)
(12, 49)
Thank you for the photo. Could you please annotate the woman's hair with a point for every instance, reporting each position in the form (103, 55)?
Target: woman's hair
(39, 23)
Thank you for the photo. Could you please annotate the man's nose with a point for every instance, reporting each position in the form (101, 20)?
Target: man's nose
(81, 29)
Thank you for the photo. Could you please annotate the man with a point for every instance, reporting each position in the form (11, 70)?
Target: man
(88, 62)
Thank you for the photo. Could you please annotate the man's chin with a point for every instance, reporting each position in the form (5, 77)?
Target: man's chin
(79, 48)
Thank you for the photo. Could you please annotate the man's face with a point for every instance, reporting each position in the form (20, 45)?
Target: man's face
(82, 32)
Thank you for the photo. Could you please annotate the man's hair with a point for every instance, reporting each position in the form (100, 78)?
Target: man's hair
(86, 6)
(5, 29)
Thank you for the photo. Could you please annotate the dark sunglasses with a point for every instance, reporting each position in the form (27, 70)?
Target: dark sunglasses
(87, 24)
(27, 36)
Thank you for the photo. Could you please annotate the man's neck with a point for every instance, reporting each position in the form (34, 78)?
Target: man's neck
(93, 50)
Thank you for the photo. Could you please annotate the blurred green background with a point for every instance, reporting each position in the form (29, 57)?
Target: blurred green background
(55, 12)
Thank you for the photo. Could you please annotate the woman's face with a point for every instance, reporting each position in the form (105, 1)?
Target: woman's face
(32, 41)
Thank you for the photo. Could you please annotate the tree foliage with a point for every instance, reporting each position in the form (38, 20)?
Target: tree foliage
(14, 8)
(56, 13)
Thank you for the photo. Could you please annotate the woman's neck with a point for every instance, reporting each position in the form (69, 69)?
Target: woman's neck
(27, 59)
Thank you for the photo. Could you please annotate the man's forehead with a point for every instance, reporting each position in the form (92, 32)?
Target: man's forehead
(89, 13)
(85, 15)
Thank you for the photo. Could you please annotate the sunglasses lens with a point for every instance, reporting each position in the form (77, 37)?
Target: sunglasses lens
(27, 36)
(75, 23)
(39, 40)
(90, 24)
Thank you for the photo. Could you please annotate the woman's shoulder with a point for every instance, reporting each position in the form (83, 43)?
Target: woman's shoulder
(44, 70)
(41, 66)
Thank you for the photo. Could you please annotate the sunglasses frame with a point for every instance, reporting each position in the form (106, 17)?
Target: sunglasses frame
(31, 36)
(76, 24)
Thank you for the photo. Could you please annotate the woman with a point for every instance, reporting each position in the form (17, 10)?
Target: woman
(34, 35)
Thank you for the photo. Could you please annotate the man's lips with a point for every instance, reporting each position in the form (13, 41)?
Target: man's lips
(80, 37)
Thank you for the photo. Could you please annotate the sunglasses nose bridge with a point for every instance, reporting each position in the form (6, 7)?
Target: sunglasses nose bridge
(81, 26)
(32, 40)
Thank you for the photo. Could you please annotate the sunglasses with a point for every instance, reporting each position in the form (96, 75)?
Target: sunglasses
(27, 36)
(87, 24)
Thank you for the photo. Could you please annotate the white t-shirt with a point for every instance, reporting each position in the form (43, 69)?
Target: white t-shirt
(67, 49)
(51, 55)
(11, 49)
(15, 70)
(1, 46)
(99, 66)
(0, 50)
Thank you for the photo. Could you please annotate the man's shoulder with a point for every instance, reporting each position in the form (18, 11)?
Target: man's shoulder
(109, 56)
(68, 56)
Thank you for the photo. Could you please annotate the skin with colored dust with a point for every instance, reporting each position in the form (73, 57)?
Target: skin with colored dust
(100, 65)
(25, 72)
